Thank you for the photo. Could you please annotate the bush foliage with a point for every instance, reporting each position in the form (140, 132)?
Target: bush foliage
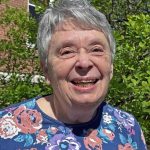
(19, 57)
(129, 88)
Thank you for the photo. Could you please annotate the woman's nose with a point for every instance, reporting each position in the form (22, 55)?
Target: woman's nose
(83, 61)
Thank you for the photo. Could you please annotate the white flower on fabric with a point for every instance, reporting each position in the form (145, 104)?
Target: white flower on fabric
(107, 118)
(8, 128)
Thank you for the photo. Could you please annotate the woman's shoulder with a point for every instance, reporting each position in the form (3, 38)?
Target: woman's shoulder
(117, 112)
(115, 116)
(28, 104)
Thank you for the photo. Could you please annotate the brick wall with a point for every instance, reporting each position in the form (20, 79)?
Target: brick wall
(18, 3)
(13, 3)
(3, 29)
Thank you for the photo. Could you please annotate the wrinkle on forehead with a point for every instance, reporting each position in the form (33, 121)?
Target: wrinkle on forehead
(74, 24)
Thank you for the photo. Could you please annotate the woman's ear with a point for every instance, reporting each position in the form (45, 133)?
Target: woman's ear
(45, 71)
(111, 71)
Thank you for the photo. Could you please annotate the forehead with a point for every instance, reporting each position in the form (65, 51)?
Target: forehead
(77, 36)
(72, 24)
(71, 30)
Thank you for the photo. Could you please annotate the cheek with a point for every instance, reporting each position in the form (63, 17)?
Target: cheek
(60, 68)
(104, 65)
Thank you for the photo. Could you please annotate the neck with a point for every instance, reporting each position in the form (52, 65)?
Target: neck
(72, 113)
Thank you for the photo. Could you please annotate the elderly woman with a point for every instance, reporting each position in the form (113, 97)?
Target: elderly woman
(76, 50)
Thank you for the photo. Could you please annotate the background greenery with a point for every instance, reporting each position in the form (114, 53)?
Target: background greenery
(130, 86)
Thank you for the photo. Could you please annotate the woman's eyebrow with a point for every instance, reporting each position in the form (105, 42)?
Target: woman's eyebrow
(96, 42)
(67, 43)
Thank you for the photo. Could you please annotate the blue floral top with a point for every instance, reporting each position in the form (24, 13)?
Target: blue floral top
(25, 127)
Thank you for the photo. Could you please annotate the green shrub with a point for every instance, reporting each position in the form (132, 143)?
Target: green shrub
(20, 55)
(130, 86)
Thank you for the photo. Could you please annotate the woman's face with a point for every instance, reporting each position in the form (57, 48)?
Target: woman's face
(79, 66)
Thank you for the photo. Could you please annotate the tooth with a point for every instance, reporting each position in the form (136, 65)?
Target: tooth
(85, 81)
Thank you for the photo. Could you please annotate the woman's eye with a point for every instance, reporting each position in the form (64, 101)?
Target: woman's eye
(67, 53)
(97, 51)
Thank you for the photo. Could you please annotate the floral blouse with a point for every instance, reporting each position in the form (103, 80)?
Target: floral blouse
(24, 126)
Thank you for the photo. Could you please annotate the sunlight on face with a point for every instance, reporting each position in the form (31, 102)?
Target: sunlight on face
(79, 65)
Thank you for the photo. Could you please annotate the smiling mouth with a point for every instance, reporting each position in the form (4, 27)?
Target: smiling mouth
(84, 83)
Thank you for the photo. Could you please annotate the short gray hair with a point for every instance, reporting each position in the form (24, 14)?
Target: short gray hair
(82, 12)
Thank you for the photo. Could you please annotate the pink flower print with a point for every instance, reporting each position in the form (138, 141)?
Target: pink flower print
(8, 128)
(92, 140)
(109, 134)
(28, 120)
(53, 130)
(42, 137)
